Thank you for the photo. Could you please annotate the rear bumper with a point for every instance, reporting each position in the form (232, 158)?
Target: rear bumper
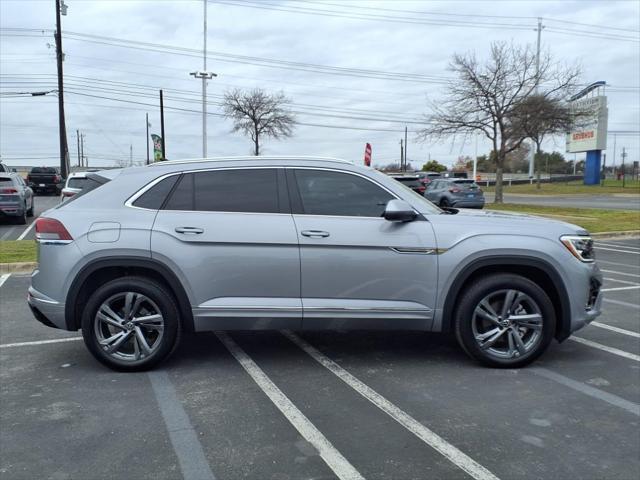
(468, 203)
(11, 210)
(45, 310)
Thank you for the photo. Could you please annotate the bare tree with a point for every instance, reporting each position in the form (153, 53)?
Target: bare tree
(258, 114)
(540, 115)
(481, 97)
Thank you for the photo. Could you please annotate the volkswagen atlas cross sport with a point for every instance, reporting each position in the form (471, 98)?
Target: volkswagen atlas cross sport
(145, 253)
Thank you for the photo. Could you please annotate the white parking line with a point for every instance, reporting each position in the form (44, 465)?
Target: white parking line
(605, 348)
(7, 234)
(457, 457)
(610, 398)
(624, 304)
(616, 250)
(616, 245)
(621, 273)
(4, 278)
(617, 264)
(621, 281)
(184, 439)
(332, 457)
(39, 342)
(617, 289)
(616, 329)
(26, 230)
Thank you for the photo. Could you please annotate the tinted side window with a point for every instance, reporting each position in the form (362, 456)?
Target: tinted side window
(155, 196)
(333, 193)
(243, 190)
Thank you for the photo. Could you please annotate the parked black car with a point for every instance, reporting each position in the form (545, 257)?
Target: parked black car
(427, 177)
(455, 192)
(411, 181)
(45, 179)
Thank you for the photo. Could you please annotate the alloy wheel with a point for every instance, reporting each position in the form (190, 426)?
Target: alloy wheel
(507, 324)
(129, 326)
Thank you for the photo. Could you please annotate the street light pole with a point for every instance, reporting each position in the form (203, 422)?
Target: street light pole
(147, 138)
(204, 75)
(61, 8)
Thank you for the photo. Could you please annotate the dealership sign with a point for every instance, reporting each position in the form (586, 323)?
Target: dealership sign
(590, 129)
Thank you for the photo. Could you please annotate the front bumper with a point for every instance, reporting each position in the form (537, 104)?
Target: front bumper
(46, 310)
(586, 299)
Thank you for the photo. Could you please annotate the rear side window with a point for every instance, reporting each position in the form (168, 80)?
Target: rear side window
(77, 182)
(156, 195)
(243, 190)
(6, 181)
(343, 194)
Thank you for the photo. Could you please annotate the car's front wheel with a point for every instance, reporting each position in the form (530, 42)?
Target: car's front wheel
(131, 324)
(505, 320)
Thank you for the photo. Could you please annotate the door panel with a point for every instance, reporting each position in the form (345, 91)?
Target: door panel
(364, 271)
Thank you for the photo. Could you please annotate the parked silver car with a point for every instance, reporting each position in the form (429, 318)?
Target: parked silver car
(291, 243)
(16, 198)
(455, 192)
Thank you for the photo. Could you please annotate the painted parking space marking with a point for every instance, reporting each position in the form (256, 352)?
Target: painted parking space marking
(616, 245)
(621, 303)
(607, 397)
(617, 264)
(621, 273)
(627, 282)
(331, 456)
(616, 250)
(184, 439)
(616, 329)
(27, 230)
(617, 289)
(605, 348)
(7, 234)
(4, 278)
(39, 342)
(433, 440)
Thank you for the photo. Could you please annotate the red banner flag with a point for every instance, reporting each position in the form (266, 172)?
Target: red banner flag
(367, 155)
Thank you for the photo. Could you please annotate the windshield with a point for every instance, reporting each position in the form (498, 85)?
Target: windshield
(6, 182)
(77, 182)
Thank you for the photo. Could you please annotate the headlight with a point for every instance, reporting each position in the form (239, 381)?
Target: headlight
(580, 247)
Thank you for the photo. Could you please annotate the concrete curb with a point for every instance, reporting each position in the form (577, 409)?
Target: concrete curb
(18, 267)
(616, 235)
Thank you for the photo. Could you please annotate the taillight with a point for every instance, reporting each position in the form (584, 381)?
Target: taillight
(68, 194)
(57, 179)
(50, 230)
(422, 188)
(454, 190)
(8, 190)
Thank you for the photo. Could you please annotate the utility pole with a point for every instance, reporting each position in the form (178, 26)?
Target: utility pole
(604, 168)
(406, 144)
(78, 137)
(83, 163)
(539, 30)
(624, 155)
(147, 138)
(401, 156)
(61, 8)
(131, 154)
(614, 156)
(475, 160)
(204, 75)
(164, 157)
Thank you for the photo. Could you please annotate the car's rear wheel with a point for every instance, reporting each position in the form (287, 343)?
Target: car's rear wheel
(22, 219)
(131, 324)
(444, 203)
(30, 211)
(505, 320)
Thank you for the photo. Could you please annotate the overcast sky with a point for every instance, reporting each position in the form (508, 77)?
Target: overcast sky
(414, 40)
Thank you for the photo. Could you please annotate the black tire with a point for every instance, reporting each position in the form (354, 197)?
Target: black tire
(22, 219)
(30, 211)
(534, 340)
(444, 203)
(159, 297)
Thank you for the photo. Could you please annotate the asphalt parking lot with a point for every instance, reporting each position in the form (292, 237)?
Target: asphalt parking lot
(9, 230)
(276, 405)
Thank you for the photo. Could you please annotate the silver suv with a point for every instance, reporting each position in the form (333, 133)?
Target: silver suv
(145, 253)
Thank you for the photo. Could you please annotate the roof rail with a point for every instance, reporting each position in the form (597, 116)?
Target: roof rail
(249, 158)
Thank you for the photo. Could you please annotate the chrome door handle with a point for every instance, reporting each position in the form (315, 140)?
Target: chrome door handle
(189, 230)
(314, 233)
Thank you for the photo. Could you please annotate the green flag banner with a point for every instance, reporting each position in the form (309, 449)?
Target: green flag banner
(157, 147)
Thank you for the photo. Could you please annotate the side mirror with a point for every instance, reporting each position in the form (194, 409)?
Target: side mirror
(399, 211)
